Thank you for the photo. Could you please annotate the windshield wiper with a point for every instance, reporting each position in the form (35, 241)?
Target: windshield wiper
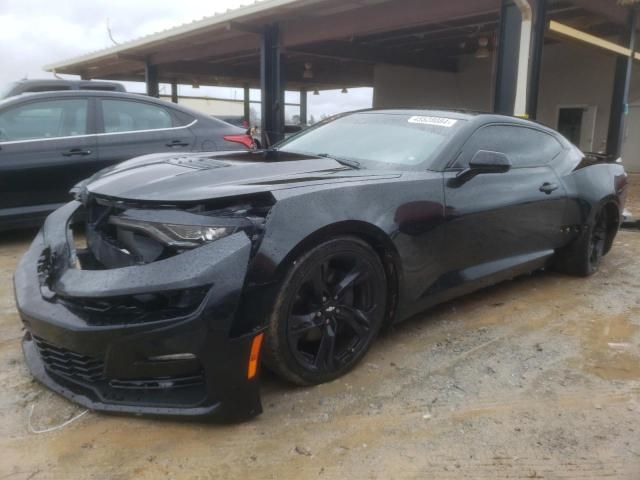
(344, 161)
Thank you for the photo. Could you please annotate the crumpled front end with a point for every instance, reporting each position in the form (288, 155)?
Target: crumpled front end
(156, 337)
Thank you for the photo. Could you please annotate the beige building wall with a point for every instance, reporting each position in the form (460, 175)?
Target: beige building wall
(396, 86)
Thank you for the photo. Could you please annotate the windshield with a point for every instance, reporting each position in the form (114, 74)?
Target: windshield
(378, 140)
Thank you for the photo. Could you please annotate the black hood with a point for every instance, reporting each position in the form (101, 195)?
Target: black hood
(203, 176)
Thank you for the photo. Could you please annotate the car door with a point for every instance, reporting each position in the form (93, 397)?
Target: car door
(498, 221)
(46, 147)
(130, 128)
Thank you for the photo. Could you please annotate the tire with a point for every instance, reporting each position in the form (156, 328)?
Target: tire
(582, 257)
(328, 310)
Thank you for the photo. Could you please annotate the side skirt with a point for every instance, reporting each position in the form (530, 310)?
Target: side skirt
(462, 282)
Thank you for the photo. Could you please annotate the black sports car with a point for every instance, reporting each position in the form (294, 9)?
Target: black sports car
(197, 263)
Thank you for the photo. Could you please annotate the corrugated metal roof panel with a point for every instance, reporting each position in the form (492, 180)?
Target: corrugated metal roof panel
(220, 19)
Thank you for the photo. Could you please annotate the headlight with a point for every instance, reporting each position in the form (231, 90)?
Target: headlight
(199, 233)
(179, 235)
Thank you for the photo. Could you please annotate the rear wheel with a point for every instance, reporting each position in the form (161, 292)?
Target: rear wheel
(585, 253)
(329, 309)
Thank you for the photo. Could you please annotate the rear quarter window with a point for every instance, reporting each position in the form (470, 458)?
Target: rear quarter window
(525, 146)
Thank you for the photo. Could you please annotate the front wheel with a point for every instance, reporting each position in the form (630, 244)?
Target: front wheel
(328, 310)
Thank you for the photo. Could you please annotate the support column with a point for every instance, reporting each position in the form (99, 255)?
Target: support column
(272, 86)
(507, 66)
(303, 106)
(621, 86)
(537, 47)
(247, 105)
(174, 92)
(151, 79)
(520, 45)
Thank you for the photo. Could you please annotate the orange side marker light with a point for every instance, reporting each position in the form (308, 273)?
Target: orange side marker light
(254, 357)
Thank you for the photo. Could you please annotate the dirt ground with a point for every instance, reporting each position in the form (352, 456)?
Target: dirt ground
(535, 378)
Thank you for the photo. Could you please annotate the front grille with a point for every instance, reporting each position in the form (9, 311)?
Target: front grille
(70, 364)
(141, 308)
(185, 390)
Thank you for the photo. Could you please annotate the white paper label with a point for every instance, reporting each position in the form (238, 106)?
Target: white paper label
(437, 121)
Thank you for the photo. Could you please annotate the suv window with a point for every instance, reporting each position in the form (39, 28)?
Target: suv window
(46, 119)
(130, 116)
(525, 147)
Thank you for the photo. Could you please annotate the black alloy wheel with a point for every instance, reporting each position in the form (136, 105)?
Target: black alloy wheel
(330, 308)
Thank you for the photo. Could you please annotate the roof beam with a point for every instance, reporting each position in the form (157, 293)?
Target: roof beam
(579, 35)
(347, 75)
(358, 53)
(106, 71)
(383, 17)
(202, 68)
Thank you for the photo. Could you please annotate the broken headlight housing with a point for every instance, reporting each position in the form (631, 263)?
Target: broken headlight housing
(179, 230)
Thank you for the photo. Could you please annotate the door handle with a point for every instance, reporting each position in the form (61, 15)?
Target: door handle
(177, 143)
(549, 188)
(76, 151)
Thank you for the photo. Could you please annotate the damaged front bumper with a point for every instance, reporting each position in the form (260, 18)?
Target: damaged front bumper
(85, 341)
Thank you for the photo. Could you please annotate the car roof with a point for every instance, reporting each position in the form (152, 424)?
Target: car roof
(478, 117)
(456, 114)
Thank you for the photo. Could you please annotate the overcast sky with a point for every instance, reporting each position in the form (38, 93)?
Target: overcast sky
(34, 33)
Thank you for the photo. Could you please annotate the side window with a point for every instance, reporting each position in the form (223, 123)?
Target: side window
(525, 147)
(47, 119)
(129, 116)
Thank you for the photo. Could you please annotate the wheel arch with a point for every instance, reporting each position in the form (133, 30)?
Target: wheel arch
(373, 236)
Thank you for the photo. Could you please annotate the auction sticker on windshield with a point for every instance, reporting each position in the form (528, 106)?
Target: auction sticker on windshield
(437, 121)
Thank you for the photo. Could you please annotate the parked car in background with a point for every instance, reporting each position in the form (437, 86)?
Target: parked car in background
(52, 85)
(51, 141)
(197, 261)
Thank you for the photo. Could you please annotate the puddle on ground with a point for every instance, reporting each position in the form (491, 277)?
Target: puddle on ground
(610, 348)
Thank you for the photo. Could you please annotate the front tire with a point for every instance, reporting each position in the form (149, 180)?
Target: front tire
(328, 310)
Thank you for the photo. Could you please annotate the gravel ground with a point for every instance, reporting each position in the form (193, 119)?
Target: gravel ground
(534, 378)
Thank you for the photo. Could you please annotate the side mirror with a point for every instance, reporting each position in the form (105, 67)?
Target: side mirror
(490, 162)
(486, 162)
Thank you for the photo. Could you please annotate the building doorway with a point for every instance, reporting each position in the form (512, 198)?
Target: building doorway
(577, 123)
